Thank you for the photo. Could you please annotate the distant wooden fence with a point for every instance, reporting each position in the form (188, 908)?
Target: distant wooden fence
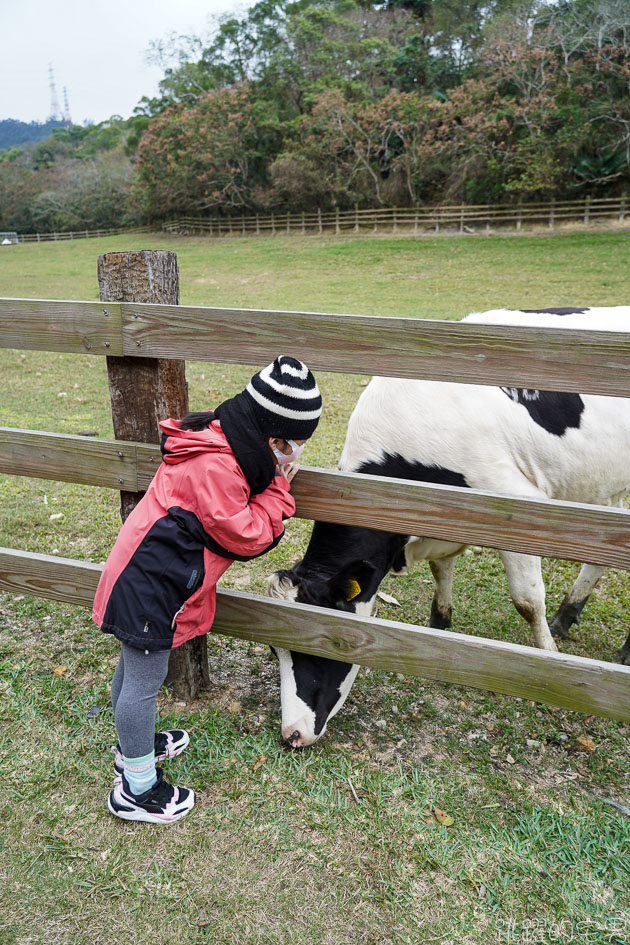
(79, 234)
(551, 359)
(469, 218)
(460, 218)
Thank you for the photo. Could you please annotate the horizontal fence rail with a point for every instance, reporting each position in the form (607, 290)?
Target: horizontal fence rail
(566, 530)
(595, 362)
(470, 218)
(571, 682)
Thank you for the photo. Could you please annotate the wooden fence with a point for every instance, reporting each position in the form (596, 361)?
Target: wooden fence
(79, 234)
(461, 218)
(135, 333)
(469, 218)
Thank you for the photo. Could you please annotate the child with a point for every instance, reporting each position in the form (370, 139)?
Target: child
(220, 494)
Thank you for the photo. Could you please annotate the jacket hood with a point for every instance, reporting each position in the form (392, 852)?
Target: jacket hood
(179, 445)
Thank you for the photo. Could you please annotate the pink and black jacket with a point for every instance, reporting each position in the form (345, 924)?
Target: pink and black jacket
(158, 587)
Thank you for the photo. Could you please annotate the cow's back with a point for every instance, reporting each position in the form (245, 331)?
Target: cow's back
(561, 445)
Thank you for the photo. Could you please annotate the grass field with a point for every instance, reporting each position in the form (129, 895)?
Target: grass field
(280, 851)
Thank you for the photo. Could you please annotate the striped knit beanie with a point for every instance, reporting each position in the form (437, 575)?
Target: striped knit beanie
(286, 399)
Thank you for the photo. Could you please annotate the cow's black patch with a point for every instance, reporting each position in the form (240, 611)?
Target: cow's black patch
(553, 311)
(318, 682)
(395, 467)
(555, 411)
(332, 548)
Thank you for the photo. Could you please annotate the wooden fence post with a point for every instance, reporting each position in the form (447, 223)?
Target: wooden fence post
(587, 210)
(336, 219)
(144, 391)
(622, 208)
(319, 220)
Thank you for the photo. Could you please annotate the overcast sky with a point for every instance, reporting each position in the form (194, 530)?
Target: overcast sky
(97, 50)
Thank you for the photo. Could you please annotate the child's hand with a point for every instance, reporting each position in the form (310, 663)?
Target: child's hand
(288, 470)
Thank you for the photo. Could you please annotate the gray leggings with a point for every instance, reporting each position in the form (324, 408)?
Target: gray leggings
(135, 686)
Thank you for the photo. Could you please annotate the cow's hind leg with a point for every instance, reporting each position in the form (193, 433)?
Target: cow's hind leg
(571, 607)
(442, 603)
(528, 594)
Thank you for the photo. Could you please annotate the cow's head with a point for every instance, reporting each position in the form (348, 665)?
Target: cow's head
(314, 688)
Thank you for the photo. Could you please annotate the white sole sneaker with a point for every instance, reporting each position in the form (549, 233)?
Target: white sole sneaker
(163, 803)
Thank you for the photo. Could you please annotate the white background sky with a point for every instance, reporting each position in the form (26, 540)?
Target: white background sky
(97, 51)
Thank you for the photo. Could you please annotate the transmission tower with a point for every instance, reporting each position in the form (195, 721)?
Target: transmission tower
(66, 109)
(55, 111)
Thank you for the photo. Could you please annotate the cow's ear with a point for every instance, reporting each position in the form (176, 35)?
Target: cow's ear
(356, 581)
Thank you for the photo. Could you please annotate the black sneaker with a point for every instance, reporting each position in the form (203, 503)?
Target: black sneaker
(161, 804)
(166, 745)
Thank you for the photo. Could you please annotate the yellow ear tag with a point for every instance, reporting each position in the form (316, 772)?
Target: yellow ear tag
(355, 589)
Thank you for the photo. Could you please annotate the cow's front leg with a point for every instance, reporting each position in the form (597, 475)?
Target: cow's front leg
(528, 594)
(442, 603)
(571, 607)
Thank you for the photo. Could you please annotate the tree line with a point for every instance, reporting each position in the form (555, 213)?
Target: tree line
(341, 103)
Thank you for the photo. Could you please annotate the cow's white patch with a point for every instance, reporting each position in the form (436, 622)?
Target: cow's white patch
(344, 691)
(364, 607)
(297, 716)
(281, 587)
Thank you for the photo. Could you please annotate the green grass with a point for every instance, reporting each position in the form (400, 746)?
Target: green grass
(434, 277)
(283, 853)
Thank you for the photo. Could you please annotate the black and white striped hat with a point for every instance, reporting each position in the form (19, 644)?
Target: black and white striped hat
(286, 399)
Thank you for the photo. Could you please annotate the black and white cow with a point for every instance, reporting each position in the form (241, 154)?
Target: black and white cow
(520, 442)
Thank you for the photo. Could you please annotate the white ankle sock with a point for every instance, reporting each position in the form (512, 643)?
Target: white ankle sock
(140, 773)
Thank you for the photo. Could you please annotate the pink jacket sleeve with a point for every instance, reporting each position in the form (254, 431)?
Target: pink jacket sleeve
(242, 525)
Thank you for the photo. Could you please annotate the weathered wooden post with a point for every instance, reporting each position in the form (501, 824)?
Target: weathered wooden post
(144, 391)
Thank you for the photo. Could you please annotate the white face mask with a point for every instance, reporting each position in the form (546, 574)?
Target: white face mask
(289, 457)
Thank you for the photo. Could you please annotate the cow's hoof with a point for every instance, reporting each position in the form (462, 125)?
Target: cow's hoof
(560, 629)
(440, 620)
(623, 656)
(566, 615)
